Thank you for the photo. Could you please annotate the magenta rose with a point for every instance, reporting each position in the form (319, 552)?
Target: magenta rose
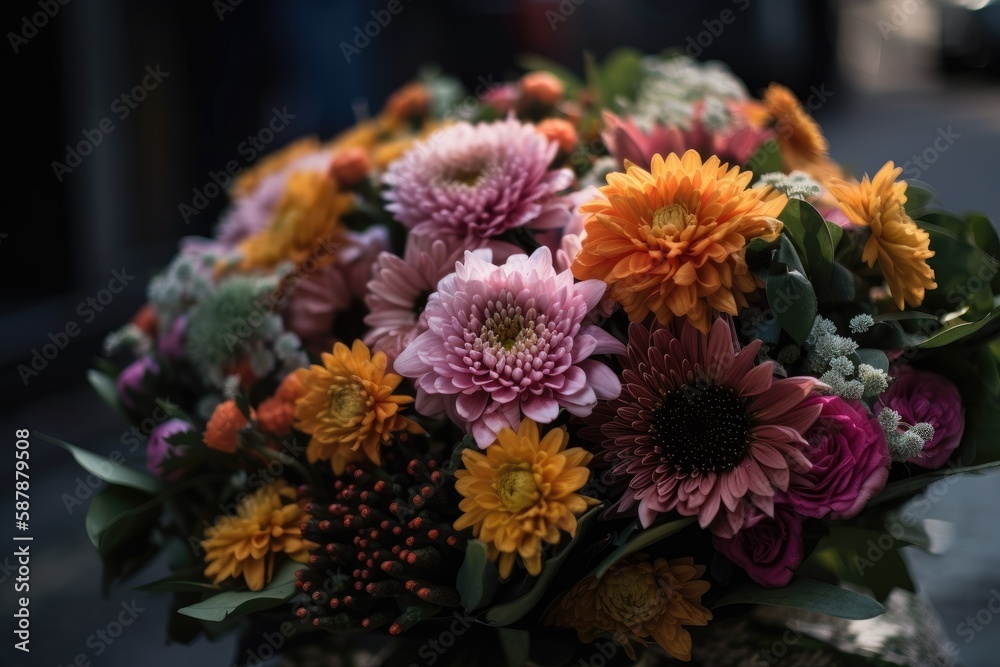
(850, 461)
(769, 549)
(923, 396)
(158, 449)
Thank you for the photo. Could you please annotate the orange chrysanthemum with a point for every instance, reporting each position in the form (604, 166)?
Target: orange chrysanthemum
(309, 210)
(521, 492)
(799, 137)
(672, 240)
(267, 523)
(348, 407)
(638, 599)
(896, 242)
(223, 428)
(251, 179)
(276, 414)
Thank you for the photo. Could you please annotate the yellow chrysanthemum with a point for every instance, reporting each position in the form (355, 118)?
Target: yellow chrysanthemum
(637, 600)
(251, 179)
(520, 493)
(267, 523)
(349, 408)
(896, 242)
(672, 240)
(309, 211)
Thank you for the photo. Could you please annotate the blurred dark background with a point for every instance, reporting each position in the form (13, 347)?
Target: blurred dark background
(199, 78)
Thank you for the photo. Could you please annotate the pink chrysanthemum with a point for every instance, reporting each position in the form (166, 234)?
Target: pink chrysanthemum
(400, 286)
(506, 342)
(700, 428)
(478, 181)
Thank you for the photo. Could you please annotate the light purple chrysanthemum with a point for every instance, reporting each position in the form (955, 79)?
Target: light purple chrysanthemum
(398, 290)
(478, 181)
(506, 342)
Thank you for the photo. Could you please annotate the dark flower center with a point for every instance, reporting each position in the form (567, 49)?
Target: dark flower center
(701, 428)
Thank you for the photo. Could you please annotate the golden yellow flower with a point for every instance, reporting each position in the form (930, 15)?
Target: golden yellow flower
(349, 408)
(251, 179)
(799, 136)
(896, 242)
(309, 211)
(520, 493)
(637, 600)
(672, 240)
(267, 523)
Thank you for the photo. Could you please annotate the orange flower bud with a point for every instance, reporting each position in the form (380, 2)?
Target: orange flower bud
(350, 166)
(223, 428)
(560, 131)
(541, 87)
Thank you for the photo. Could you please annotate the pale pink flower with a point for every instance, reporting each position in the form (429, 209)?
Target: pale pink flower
(506, 342)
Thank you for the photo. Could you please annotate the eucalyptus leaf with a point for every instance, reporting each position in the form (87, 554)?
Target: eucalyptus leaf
(957, 332)
(765, 160)
(812, 238)
(807, 594)
(182, 581)
(912, 485)
(119, 516)
(106, 388)
(240, 603)
(641, 540)
(875, 358)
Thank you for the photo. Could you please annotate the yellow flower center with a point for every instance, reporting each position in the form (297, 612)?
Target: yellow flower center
(347, 401)
(672, 219)
(630, 595)
(516, 487)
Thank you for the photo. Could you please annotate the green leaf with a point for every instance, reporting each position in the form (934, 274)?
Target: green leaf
(621, 74)
(836, 233)
(477, 577)
(767, 159)
(107, 469)
(962, 270)
(956, 332)
(842, 284)
(812, 238)
(106, 388)
(241, 603)
(911, 485)
(455, 462)
(807, 594)
(788, 256)
(642, 540)
(918, 197)
(189, 580)
(793, 301)
(510, 612)
(516, 646)
(119, 516)
(863, 557)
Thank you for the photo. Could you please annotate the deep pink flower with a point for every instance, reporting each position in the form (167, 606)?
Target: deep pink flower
(735, 144)
(769, 549)
(700, 428)
(850, 461)
(171, 343)
(399, 287)
(158, 449)
(320, 296)
(508, 341)
(478, 181)
(923, 396)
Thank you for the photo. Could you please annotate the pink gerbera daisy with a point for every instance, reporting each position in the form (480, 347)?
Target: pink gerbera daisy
(506, 342)
(702, 429)
(479, 181)
(400, 286)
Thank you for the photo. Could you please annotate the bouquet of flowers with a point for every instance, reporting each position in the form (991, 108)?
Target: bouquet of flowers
(560, 371)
